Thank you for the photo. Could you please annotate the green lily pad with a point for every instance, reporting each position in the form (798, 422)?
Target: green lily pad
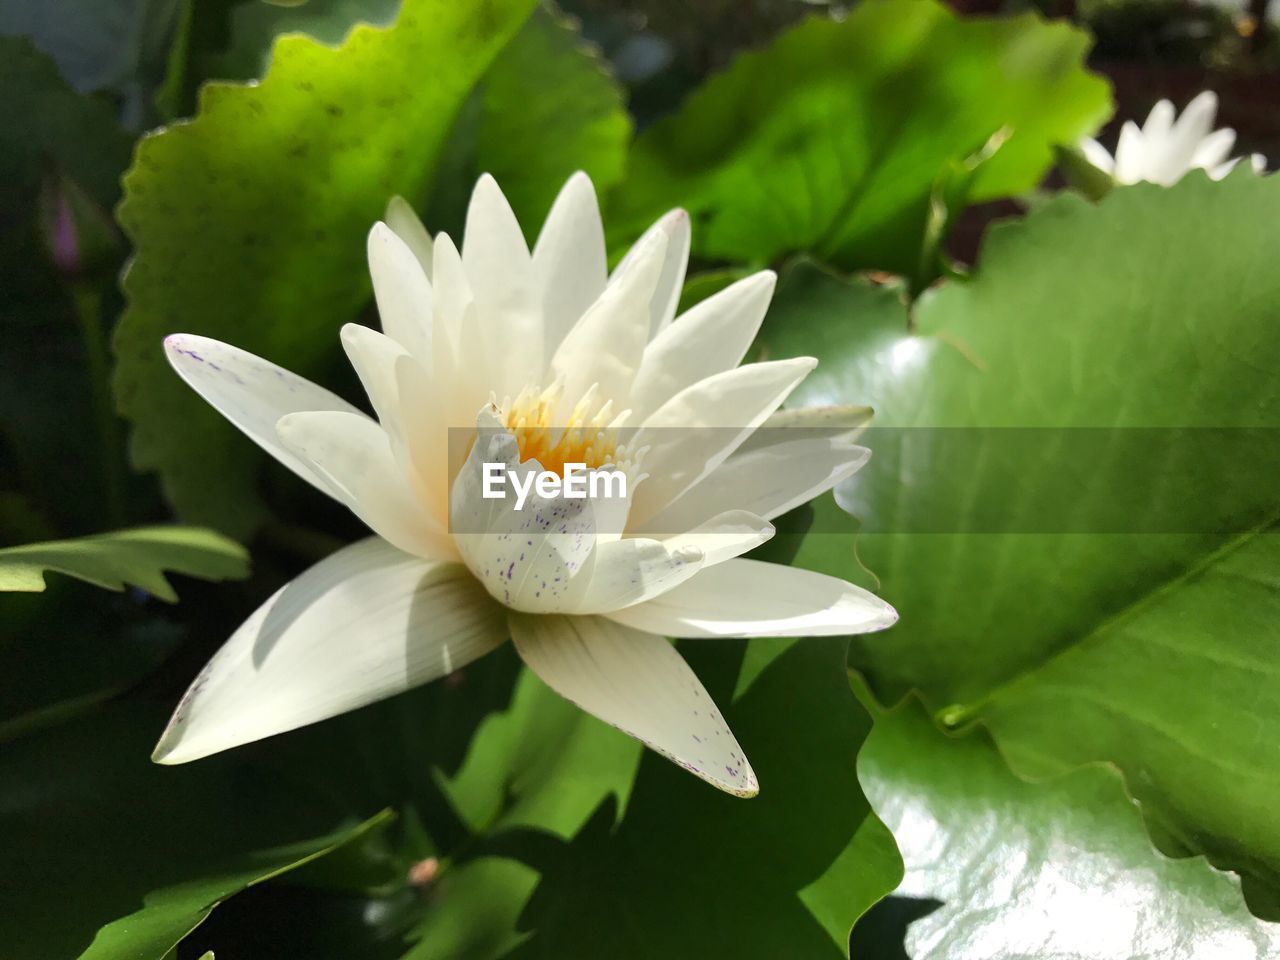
(1072, 496)
(1055, 869)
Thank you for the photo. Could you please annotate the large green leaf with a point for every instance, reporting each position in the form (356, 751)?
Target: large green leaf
(1094, 584)
(93, 834)
(1056, 869)
(832, 139)
(249, 221)
(532, 134)
(138, 557)
(691, 872)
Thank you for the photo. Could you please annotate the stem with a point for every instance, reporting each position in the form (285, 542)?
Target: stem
(88, 305)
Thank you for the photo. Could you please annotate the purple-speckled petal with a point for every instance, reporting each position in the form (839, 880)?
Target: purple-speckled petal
(252, 393)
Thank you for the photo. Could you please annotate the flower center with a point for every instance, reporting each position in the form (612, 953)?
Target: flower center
(589, 434)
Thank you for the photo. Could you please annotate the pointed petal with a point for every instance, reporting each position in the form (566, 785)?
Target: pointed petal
(1130, 154)
(1170, 152)
(364, 624)
(500, 270)
(1213, 149)
(402, 290)
(666, 297)
(636, 569)
(605, 347)
(748, 598)
(1097, 155)
(454, 303)
(569, 258)
(768, 481)
(429, 437)
(252, 393)
(402, 219)
(697, 429)
(1158, 123)
(710, 338)
(354, 454)
(373, 356)
(1196, 121)
(638, 683)
(842, 420)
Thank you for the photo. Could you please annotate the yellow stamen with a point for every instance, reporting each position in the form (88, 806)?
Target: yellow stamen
(588, 436)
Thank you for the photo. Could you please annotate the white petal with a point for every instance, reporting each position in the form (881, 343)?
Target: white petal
(355, 455)
(431, 440)
(666, 298)
(252, 393)
(768, 480)
(364, 624)
(638, 683)
(373, 356)
(725, 536)
(697, 429)
(1196, 121)
(623, 572)
(843, 420)
(1213, 149)
(606, 345)
(1097, 155)
(710, 338)
(748, 598)
(528, 558)
(1130, 154)
(569, 258)
(454, 303)
(404, 221)
(500, 271)
(1158, 124)
(402, 290)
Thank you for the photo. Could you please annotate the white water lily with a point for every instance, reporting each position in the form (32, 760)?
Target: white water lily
(532, 360)
(1165, 148)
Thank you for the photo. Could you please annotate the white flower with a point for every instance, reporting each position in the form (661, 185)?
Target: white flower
(588, 592)
(1165, 148)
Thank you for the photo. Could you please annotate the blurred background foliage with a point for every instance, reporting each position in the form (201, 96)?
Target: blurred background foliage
(212, 166)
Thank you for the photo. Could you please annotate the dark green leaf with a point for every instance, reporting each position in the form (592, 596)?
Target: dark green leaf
(52, 135)
(692, 872)
(94, 835)
(121, 47)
